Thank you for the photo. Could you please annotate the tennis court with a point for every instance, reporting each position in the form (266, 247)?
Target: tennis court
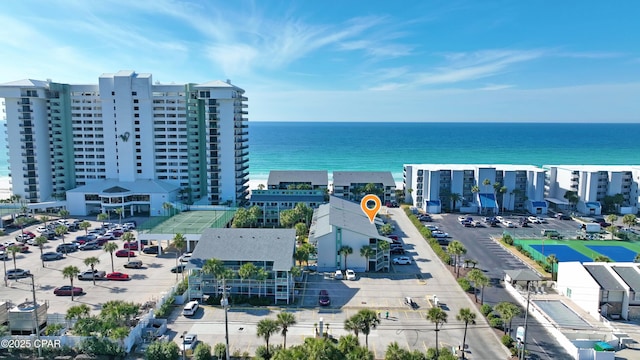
(615, 253)
(562, 252)
(188, 222)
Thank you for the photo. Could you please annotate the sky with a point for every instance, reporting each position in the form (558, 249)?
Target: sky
(391, 61)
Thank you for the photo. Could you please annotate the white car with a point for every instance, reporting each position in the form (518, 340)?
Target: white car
(509, 224)
(41, 229)
(439, 234)
(351, 275)
(338, 275)
(534, 219)
(190, 341)
(403, 260)
(185, 257)
(431, 227)
(500, 218)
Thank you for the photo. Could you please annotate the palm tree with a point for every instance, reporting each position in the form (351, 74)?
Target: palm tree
(552, 260)
(601, 258)
(348, 343)
(128, 237)
(629, 220)
(102, 217)
(21, 222)
(285, 319)
(475, 189)
(216, 268)
(395, 352)
(260, 276)
(468, 317)
(179, 241)
(437, 316)
(367, 319)
(77, 312)
(70, 272)
(119, 211)
(612, 218)
(110, 247)
(507, 312)
(482, 282)
(352, 324)
(572, 197)
(85, 225)
(473, 276)
(456, 248)
(455, 197)
(367, 252)
(266, 328)
(92, 262)
(13, 250)
(503, 190)
(60, 231)
(247, 271)
(44, 219)
(40, 241)
(63, 213)
(345, 250)
(167, 206)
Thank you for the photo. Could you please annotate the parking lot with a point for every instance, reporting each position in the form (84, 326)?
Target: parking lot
(146, 283)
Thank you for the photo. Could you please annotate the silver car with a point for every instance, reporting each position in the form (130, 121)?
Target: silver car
(17, 273)
(48, 256)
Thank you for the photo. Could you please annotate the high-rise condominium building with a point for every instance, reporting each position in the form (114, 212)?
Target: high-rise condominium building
(127, 142)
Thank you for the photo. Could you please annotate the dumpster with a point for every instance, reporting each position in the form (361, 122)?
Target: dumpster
(603, 346)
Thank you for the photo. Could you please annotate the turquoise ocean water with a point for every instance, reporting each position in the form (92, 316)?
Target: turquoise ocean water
(387, 146)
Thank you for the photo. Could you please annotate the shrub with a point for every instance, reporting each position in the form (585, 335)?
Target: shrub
(213, 300)
(486, 309)
(220, 351)
(492, 315)
(507, 239)
(260, 301)
(100, 346)
(496, 323)
(464, 284)
(182, 287)
(518, 247)
(507, 341)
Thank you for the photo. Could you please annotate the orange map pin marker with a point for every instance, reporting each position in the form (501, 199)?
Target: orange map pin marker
(370, 212)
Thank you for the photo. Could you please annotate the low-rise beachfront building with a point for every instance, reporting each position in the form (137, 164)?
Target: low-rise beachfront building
(273, 201)
(461, 187)
(270, 250)
(342, 223)
(353, 185)
(592, 184)
(601, 289)
(298, 179)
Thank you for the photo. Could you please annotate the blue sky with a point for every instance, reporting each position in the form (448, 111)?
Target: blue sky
(510, 61)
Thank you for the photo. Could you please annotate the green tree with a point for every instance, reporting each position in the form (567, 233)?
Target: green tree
(70, 272)
(92, 261)
(216, 268)
(255, 214)
(612, 218)
(367, 319)
(77, 312)
(366, 251)
(44, 219)
(454, 198)
(473, 276)
(85, 225)
(301, 255)
(162, 350)
(503, 190)
(40, 241)
(110, 247)
(14, 250)
(247, 272)
(128, 237)
(202, 352)
(482, 281)
(467, 317)
(602, 258)
(386, 229)
(266, 328)
(637, 258)
(347, 343)
(21, 222)
(102, 217)
(179, 242)
(63, 213)
(119, 211)
(572, 197)
(457, 249)
(507, 312)
(285, 320)
(220, 351)
(241, 219)
(437, 316)
(345, 251)
(61, 231)
(629, 220)
(352, 324)
(168, 207)
(552, 260)
(302, 231)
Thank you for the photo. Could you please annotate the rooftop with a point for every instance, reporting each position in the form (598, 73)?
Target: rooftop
(314, 177)
(502, 167)
(604, 278)
(345, 215)
(345, 178)
(114, 186)
(232, 244)
(630, 275)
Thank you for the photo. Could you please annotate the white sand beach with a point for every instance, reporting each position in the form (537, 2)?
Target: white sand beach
(5, 188)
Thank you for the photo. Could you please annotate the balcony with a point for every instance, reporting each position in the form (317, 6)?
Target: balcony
(242, 168)
(239, 132)
(241, 161)
(241, 147)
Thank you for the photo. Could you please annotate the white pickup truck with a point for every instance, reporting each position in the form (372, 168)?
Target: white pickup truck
(91, 274)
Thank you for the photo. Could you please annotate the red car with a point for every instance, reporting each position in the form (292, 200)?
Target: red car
(125, 253)
(67, 290)
(23, 248)
(132, 245)
(118, 276)
(30, 234)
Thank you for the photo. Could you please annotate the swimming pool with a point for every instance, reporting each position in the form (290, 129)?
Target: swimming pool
(561, 314)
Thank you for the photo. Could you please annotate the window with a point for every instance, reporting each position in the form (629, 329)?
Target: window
(133, 93)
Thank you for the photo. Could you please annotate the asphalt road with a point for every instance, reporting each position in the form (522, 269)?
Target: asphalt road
(494, 260)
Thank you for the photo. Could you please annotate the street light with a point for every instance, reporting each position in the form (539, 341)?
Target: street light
(225, 304)
(35, 311)
(526, 315)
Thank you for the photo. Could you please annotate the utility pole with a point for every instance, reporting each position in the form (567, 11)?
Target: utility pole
(225, 304)
(526, 315)
(35, 311)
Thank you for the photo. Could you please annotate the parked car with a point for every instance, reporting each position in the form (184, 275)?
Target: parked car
(397, 251)
(133, 245)
(189, 341)
(338, 275)
(125, 253)
(115, 232)
(431, 227)
(151, 250)
(178, 269)
(67, 248)
(106, 237)
(323, 298)
(424, 217)
(84, 238)
(190, 308)
(91, 245)
(351, 275)
(17, 273)
(402, 260)
(439, 234)
(117, 276)
(49, 256)
(533, 219)
(67, 291)
(21, 247)
(91, 275)
(133, 264)
(561, 216)
(409, 302)
(185, 257)
(394, 238)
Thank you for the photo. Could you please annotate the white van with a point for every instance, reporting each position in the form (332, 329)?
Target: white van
(190, 308)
